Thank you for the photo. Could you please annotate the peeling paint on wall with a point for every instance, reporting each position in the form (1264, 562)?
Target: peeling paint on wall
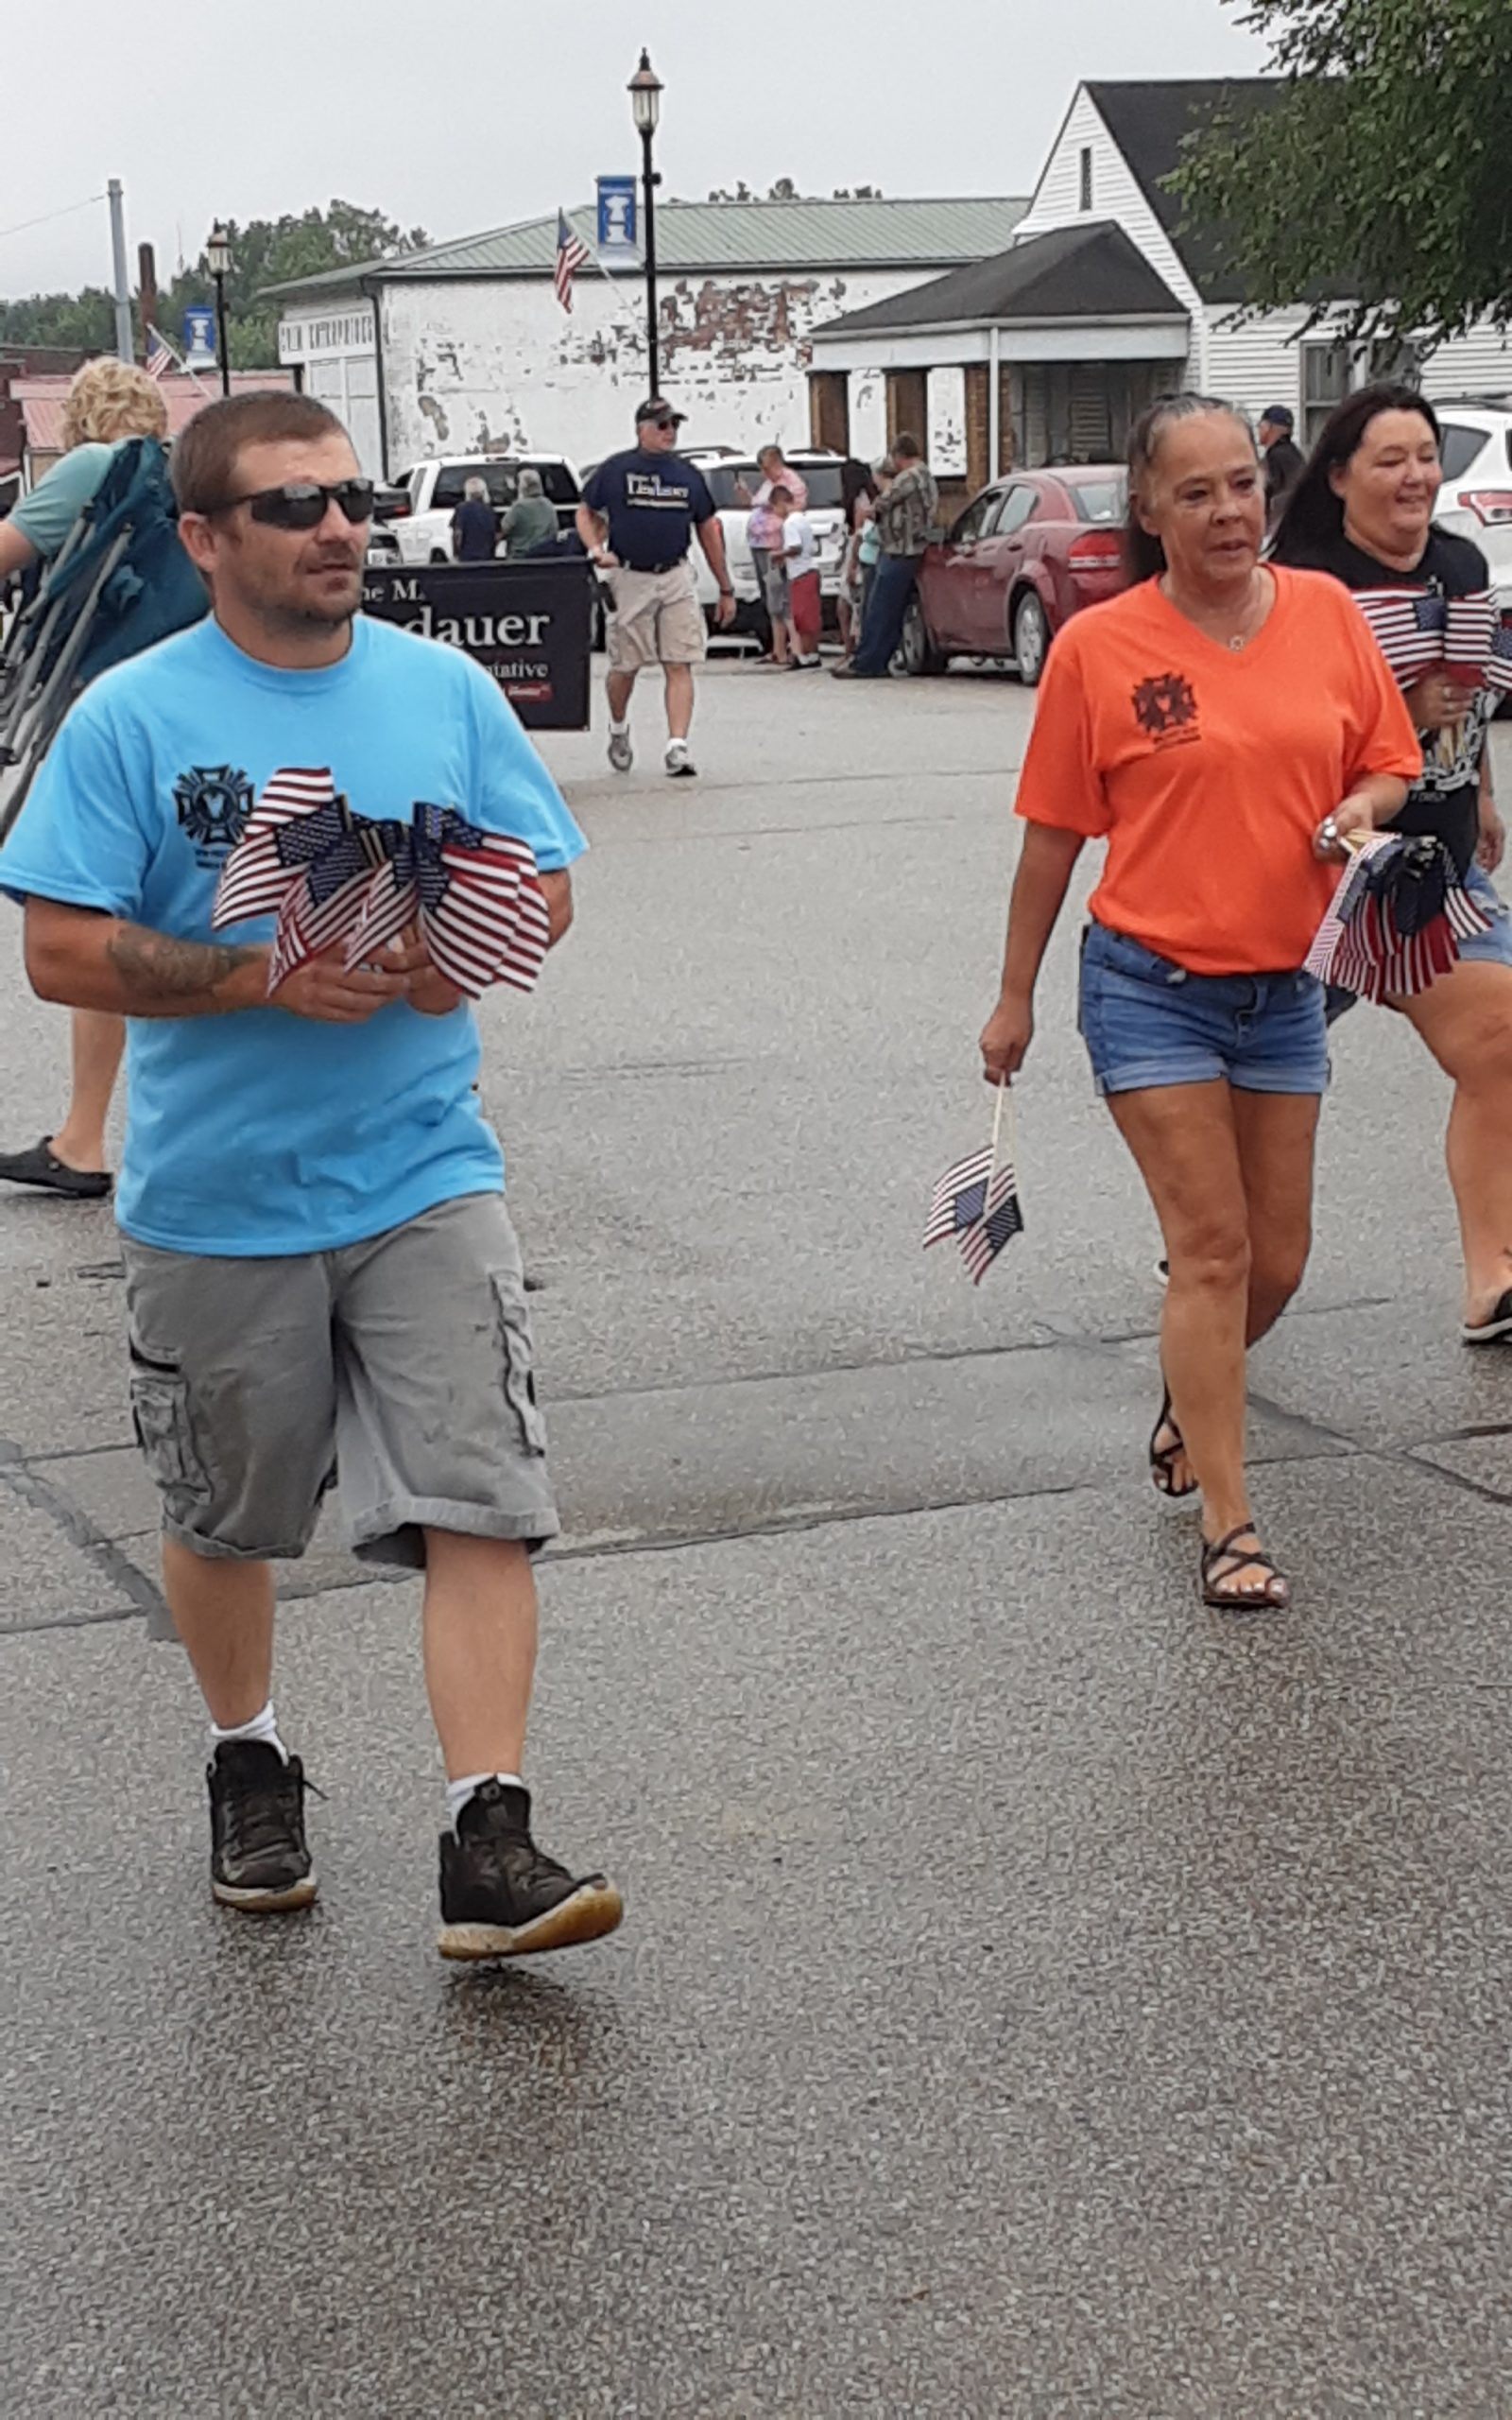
(496, 363)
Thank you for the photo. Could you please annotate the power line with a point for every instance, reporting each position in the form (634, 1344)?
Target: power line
(48, 215)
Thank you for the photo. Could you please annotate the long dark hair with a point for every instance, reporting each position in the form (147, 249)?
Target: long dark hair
(1312, 521)
(1143, 555)
(856, 482)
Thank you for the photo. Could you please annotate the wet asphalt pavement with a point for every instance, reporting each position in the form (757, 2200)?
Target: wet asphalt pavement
(1037, 1996)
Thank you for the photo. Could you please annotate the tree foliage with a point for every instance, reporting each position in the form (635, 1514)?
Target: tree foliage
(266, 251)
(1383, 167)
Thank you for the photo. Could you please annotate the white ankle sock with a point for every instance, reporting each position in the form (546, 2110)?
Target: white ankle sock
(262, 1726)
(618, 729)
(459, 1791)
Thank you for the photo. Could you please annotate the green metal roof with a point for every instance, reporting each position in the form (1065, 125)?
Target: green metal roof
(693, 237)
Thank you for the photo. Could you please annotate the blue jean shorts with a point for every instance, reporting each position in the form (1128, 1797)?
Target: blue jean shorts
(1146, 1022)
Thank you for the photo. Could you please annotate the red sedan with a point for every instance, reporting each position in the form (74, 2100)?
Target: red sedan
(1027, 554)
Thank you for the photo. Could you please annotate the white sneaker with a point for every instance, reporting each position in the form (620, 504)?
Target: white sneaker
(621, 754)
(678, 762)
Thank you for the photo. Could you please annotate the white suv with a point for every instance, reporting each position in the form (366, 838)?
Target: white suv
(727, 474)
(1475, 500)
(435, 488)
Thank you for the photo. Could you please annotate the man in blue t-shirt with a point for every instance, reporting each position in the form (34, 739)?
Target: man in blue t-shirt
(322, 1275)
(636, 519)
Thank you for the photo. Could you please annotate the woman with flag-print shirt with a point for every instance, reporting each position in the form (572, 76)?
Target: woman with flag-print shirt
(1363, 511)
(1217, 725)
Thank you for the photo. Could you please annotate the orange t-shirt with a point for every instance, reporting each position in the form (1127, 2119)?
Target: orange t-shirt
(1209, 769)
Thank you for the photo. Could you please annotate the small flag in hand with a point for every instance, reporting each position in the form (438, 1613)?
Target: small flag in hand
(976, 1202)
(571, 254)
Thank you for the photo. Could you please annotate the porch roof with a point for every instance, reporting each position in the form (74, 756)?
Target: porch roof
(1090, 271)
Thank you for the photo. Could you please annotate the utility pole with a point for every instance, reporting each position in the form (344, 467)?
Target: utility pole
(124, 346)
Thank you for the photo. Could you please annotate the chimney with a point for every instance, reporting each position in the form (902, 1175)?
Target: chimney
(147, 272)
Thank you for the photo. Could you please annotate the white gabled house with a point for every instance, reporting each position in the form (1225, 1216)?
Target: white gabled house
(1104, 298)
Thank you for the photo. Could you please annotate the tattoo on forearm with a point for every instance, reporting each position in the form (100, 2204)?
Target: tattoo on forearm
(155, 966)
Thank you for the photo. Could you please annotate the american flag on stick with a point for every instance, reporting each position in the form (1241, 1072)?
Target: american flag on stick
(1408, 624)
(331, 875)
(975, 1204)
(571, 254)
(1397, 919)
(159, 360)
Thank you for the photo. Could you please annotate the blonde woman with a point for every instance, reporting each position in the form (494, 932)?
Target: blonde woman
(107, 403)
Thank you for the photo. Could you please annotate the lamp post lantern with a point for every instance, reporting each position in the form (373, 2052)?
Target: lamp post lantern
(646, 105)
(217, 253)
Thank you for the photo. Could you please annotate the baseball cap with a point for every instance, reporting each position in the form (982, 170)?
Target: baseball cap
(1281, 416)
(655, 409)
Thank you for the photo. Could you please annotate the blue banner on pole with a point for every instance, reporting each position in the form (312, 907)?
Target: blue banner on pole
(617, 228)
(199, 332)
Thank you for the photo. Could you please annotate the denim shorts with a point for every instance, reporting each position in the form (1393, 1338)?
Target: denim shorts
(1495, 947)
(1146, 1022)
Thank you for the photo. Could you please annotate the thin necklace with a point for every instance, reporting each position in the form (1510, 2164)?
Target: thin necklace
(1253, 609)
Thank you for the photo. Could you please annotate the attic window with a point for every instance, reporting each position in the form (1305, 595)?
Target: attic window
(1085, 200)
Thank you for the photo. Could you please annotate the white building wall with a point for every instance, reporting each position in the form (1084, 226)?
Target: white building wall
(1477, 364)
(497, 362)
(1257, 364)
(1116, 195)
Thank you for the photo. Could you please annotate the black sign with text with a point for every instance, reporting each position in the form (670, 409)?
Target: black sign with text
(527, 623)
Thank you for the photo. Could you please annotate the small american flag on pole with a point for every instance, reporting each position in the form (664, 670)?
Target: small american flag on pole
(571, 254)
(331, 875)
(975, 1204)
(159, 360)
(1408, 624)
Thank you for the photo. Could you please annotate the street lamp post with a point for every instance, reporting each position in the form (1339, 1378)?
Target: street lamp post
(217, 253)
(645, 104)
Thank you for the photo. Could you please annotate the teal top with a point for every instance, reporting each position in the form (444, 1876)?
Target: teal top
(46, 515)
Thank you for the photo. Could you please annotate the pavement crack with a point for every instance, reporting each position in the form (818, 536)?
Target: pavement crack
(27, 1482)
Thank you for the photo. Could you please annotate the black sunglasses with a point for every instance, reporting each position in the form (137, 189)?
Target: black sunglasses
(303, 504)
(659, 422)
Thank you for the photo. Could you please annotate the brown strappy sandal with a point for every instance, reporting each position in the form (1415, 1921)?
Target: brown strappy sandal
(1271, 1595)
(1164, 1460)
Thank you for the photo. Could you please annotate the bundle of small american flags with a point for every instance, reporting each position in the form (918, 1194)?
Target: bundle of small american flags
(1397, 919)
(976, 1202)
(1418, 630)
(333, 876)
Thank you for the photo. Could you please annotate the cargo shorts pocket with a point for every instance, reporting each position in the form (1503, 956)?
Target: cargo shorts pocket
(165, 1430)
(519, 1363)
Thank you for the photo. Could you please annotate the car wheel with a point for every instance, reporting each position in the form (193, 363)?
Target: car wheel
(916, 654)
(1031, 639)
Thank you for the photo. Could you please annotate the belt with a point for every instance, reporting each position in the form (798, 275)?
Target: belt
(670, 565)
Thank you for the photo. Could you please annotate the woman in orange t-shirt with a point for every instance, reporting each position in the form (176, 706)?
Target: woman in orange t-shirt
(1222, 725)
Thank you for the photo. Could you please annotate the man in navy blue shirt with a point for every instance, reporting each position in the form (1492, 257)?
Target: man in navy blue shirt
(637, 518)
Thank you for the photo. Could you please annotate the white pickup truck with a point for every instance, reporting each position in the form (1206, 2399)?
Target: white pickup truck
(434, 489)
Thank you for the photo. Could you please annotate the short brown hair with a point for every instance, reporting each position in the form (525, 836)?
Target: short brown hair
(907, 449)
(204, 457)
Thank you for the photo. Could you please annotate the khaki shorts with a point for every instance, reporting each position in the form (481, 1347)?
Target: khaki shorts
(400, 1367)
(657, 618)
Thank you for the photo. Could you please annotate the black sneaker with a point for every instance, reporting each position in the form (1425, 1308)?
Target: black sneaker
(259, 1858)
(500, 1898)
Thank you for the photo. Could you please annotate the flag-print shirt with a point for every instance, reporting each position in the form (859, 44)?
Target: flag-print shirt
(1208, 769)
(266, 1134)
(1446, 798)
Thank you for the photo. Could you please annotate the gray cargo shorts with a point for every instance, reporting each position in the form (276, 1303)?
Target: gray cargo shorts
(400, 1368)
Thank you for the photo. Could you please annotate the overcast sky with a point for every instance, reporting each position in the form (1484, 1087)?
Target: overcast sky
(463, 115)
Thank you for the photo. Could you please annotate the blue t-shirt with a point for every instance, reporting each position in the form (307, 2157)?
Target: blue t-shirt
(46, 515)
(262, 1133)
(650, 502)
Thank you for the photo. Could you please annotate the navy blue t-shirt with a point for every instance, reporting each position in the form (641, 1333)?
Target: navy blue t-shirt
(650, 502)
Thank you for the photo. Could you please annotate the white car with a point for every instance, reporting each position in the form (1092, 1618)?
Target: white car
(728, 475)
(434, 489)
(1475, 500)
